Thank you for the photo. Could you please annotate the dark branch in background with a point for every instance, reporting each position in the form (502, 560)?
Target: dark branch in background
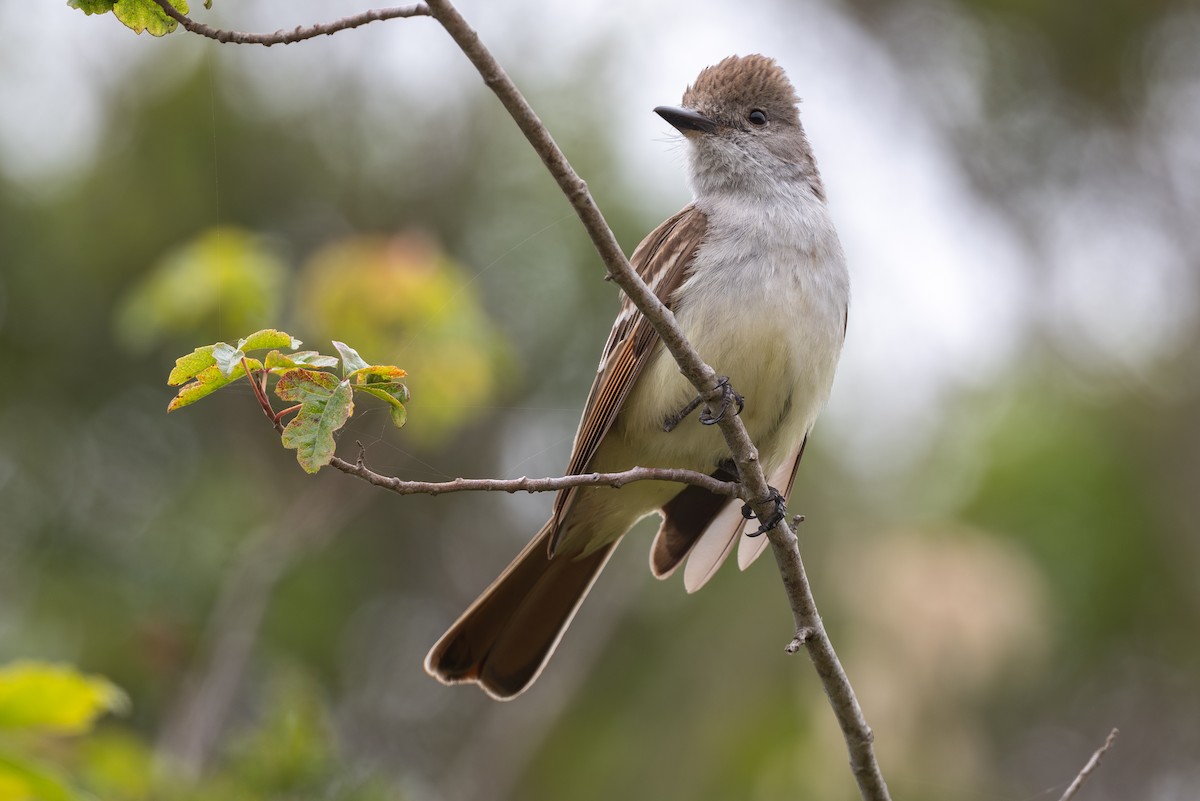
(1091, 765)
(298, 34)
(809, 629)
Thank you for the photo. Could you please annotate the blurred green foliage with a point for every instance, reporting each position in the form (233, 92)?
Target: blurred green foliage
(224, 279)
(291, 754)
(39, 701)
(401, 296)
(53, 698)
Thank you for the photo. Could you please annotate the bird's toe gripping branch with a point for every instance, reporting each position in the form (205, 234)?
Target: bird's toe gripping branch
(727, 396)
(773, 519)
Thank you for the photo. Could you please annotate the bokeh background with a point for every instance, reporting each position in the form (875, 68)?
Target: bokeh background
(1002, 499)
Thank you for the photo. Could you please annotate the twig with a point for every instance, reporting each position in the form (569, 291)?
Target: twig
(855, 731)
(298, 34)
(259, 385)
(727, 488)
(1091, 765)
(358, 468)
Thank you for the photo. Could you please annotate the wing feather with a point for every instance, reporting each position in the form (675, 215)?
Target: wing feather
(661, 260)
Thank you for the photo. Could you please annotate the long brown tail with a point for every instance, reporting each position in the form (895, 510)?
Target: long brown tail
(505, 638)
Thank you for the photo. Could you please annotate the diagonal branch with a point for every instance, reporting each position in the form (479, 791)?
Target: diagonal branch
(1091, 765)
(296, 35)
(856, 732)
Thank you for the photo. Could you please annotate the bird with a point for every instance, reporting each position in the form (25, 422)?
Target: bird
(755, 274)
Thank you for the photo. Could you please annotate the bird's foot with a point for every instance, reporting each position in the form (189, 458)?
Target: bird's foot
(727, 396)
(773, 519)
(672, 422)
(706, 418)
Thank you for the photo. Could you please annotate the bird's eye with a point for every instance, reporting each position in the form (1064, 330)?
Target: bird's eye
(757, 117)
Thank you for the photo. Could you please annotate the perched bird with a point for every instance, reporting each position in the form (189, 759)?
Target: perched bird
(755, 275)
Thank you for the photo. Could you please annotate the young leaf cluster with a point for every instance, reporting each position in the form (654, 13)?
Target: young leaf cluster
(137, 15)
(322, 401)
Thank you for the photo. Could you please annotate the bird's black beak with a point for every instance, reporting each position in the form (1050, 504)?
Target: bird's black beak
(685, 120)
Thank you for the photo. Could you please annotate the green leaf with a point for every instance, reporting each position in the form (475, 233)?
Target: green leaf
(227, 357)
(90, 7)
(325, 405)
(277, 361)
(377, 372)
(207, 382)
(306, 386)
(351, 361)
(54, 698)
(395, 394)
(399, 415)
(268, 338)
(146, 15)
(314, 359)
(380, 380)
(308, 358)
(188, 367)
(393, 388)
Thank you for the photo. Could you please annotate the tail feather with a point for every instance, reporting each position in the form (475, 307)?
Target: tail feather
(714, 544)
(505, 638)
(684, 519)
(703, 528)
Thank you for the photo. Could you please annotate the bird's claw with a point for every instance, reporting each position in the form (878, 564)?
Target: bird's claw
(776, 515)
(727, 395)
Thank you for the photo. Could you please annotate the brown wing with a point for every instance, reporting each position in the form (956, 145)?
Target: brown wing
(661, 260)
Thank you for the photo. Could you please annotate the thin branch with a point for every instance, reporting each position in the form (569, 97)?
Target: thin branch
(855, 731)
(298, 34)
(1091, 765)
(810, 632)
(727, 488)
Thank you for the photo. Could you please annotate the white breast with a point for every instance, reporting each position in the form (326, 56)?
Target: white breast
(765, 304)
